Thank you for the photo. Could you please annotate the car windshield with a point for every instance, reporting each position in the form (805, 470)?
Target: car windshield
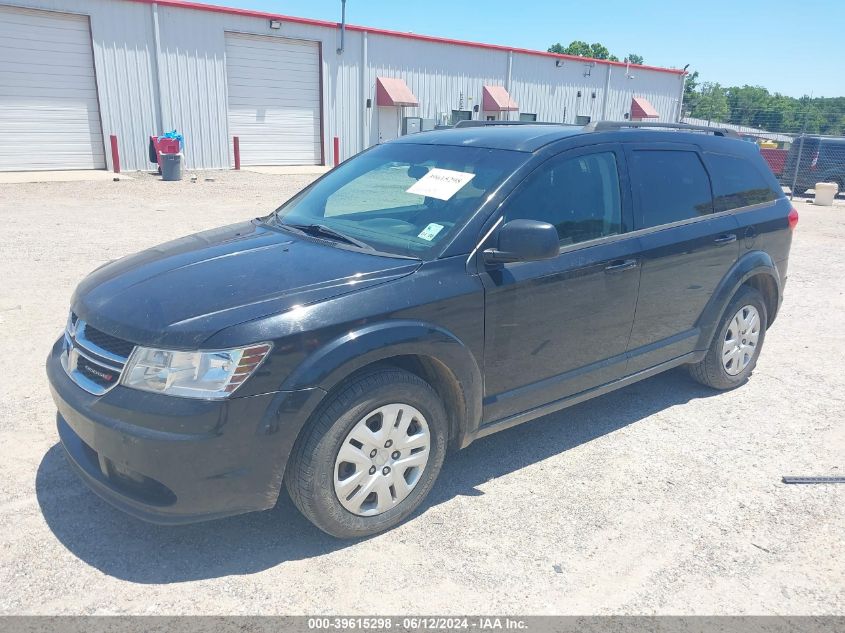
(399, 198)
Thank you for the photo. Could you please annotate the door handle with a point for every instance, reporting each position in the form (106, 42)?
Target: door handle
(621, 265)
(728, 238)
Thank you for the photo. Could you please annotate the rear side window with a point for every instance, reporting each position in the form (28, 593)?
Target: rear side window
(671, 186)
(737, 182)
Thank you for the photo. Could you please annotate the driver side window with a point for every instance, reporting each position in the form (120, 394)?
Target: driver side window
(578, 195)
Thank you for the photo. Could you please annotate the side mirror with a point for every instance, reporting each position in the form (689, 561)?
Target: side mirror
(524, 241)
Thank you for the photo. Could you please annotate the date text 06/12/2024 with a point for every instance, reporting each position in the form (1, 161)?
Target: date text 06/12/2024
(428, 623)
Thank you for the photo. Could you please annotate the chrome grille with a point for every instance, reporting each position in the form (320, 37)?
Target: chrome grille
(93, 359)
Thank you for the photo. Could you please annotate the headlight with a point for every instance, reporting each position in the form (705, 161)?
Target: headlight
(214, 374)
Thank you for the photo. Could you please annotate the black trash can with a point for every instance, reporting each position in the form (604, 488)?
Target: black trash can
(171, 166)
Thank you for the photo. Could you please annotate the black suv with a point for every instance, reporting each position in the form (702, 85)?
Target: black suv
(424, 294)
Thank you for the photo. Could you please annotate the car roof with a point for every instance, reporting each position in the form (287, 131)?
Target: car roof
(521, 138)
(530, 138)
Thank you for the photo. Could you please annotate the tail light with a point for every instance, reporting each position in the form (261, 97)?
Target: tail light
(815, 160)
(793, 218)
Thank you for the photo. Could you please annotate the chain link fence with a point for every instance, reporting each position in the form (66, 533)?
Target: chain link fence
(798, 151)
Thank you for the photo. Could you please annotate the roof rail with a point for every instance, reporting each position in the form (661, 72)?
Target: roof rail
(477, 123)
(601, 126)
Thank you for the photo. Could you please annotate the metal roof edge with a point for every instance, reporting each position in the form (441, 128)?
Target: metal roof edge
(198, 6)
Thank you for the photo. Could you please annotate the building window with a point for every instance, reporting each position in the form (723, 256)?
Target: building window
(527, 116)
(461, 115)
(582, 120)
(491, 117)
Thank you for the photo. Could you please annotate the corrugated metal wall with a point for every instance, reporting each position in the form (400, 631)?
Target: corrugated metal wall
(443, 77)
(150, 84)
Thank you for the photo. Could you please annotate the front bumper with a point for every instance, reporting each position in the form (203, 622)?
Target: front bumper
(175, 460)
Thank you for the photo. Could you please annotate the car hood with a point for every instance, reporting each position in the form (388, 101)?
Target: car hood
(180, 293)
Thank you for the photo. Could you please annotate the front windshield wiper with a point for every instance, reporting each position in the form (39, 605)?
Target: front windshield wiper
(321, 230)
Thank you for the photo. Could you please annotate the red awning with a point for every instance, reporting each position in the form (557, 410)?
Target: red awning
(642, 109)
(393, 91)
(497, 99)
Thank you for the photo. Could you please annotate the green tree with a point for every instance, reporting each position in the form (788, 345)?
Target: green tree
(599, 51)
(711, 102)
(749, 105)
(633, 58)
(580, 48)
(690, 89)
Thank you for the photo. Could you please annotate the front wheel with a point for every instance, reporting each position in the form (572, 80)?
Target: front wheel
(736, 346)
(370, 455)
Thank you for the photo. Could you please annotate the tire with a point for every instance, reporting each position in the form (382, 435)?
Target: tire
(318, 475)
(731, 373)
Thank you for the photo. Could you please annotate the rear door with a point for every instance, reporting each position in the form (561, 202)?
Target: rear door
(686, 249)
(560, 326)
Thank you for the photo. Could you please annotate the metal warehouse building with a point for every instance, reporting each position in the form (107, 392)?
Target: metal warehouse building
(75, 72)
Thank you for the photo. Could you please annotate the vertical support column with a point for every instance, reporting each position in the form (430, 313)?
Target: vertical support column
(365, 111)
(606, 94)
(680, 113)
(797, 164)
(336, 151)
(157, 92)
(115, 155)
(236, 148)
(508, 82)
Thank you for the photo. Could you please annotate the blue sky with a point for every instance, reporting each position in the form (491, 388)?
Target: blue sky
(795, 47)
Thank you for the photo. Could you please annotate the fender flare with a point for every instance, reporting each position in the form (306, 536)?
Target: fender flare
(747, 266)
(327, 366)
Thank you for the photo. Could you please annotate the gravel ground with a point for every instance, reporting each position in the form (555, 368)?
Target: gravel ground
(660, 498)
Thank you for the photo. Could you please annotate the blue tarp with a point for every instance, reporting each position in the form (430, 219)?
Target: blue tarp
(177, 136)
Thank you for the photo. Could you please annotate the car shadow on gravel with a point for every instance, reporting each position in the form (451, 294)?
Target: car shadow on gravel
(129, 549)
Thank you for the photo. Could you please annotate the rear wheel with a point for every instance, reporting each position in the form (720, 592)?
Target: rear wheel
(736, 346)
(370, 455)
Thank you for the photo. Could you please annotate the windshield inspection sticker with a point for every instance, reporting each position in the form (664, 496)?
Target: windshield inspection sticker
(430, 232)
(440, 183)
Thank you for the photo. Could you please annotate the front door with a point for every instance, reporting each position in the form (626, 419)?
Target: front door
(557, 327)
(388, 123)
(686, 250)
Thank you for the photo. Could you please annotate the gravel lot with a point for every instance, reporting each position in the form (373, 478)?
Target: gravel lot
(660, 498)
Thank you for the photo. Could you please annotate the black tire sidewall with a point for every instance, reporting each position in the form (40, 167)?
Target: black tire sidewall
(351, 405)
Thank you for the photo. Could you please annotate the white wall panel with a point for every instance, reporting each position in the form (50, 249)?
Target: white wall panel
(192, 81)
(550, 91)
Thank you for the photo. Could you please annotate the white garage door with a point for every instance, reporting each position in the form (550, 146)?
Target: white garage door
(274, 99)
(49, 115)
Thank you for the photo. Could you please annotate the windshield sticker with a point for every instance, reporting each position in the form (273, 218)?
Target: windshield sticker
(440, 183)
(430, 232)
